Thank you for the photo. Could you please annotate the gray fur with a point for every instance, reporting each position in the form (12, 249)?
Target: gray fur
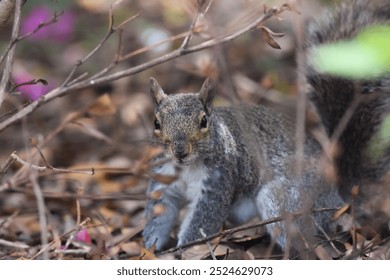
(241, 164)
(236, 169)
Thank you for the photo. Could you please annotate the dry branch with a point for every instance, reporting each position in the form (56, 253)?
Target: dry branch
(11, 51)
(41, 213)
(15, 245)
(62, 90)
(47, 246)
(230, 231)
(15, 157)
(6, 9)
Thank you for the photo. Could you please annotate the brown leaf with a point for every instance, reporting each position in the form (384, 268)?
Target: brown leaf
(164, 179)
(102, 107)
(355, 191)
(158, 209)
(268, 35)
(131, 248)
(341, 211)
(155, 195)
(146, 254)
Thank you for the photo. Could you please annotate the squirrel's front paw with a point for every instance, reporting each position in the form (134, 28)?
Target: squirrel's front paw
(153, 234)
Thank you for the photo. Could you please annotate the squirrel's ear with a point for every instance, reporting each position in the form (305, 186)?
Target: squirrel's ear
(206, 95)
(156, 91)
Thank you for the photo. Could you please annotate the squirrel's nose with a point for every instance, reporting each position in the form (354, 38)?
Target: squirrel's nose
(180, 150)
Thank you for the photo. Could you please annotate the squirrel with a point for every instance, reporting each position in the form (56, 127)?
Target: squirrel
(235, 163)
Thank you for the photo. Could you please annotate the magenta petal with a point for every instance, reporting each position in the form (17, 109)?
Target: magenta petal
(36, 17)
(60, 31)
(83, 236)
(32, 92)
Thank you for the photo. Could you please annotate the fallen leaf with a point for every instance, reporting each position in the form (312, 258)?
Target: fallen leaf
(268, 35)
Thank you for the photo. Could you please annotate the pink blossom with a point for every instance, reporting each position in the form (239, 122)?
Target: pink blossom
(32, 92)
(59, 31)
(83, 236)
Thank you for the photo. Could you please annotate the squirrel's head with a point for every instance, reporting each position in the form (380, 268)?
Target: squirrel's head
(182, 121)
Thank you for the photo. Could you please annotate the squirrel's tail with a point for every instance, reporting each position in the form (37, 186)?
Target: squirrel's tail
(362, 159)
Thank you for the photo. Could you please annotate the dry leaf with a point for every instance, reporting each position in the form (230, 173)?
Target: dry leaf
(146, 254)
(158, 209)
(341, 211)
(268, 35)
(355, 191)
(102, 107)
(321, 253)
(131, 248)
(164, 179)
(155, 195)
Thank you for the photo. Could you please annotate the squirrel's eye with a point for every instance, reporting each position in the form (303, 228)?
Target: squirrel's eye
(157, 125)
(203, 122)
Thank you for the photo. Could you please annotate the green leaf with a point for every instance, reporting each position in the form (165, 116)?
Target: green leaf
(364, 57)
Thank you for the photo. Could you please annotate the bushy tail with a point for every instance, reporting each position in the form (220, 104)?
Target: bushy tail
(368, 101)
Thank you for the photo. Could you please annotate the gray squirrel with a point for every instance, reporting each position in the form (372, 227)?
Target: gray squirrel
(235, 163)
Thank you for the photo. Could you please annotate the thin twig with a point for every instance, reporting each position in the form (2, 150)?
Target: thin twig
(83, 251)
(6, 165)
(49, 167)
(41, 213)
(24, 36)
(6, 222)
(342, 124)
(241, 228)
(187, 39)
(148, 48)
(11, 52)
(111, 30)
(47, 246)
(15, 245)
(61, 91)
(300, 132)
(31, 82)
(208, 245)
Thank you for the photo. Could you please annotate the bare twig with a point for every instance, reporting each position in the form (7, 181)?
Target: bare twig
(208, 245)
(49, 167)
(148, 48)
(111, 30)
(345, 119)
(47, 246)
(6, 165)
(39, 27)
(60, 91)
(6, 222)
(6, 10)
(199, 13)
(244, 227)
(82, 251)
(31, 82)
(41, 213)
(10, 54)
(300, 133)
(15, 245)
(117, 241)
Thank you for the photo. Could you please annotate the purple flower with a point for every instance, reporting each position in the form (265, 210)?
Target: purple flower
(83, 236)
(32, 92)
(59, 31)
